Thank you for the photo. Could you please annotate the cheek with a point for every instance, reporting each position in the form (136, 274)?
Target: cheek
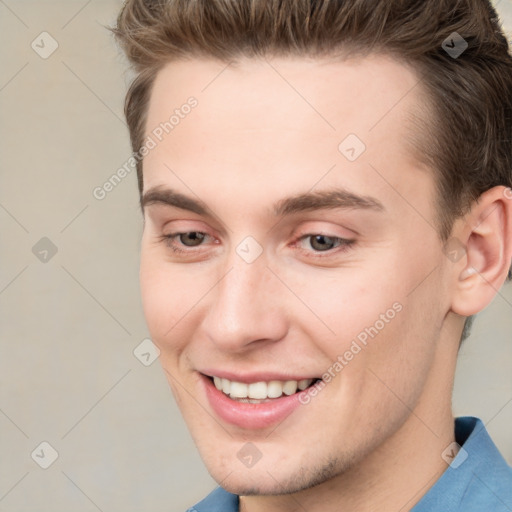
(401, 356)
(166, 301)
(372, 320)
(345, 305)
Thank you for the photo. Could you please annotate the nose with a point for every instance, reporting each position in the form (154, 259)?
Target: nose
(246, 306)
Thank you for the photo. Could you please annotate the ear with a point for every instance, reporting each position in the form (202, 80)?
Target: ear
(485, 235)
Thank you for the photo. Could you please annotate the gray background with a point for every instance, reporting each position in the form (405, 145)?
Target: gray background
(69, 324)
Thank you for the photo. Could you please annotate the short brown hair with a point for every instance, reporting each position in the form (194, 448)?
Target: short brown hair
(467, 140)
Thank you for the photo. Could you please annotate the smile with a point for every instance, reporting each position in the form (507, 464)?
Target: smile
(257, 392)
(260, 402)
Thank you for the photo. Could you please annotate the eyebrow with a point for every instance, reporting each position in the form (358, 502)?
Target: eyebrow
(326, 199)
(309, 201)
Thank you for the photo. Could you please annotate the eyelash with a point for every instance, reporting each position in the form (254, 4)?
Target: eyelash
(343, 246)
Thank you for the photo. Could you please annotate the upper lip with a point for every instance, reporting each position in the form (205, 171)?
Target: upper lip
(250, 377)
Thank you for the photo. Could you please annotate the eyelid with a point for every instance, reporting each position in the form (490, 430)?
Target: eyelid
(325, 227)
(163, 218)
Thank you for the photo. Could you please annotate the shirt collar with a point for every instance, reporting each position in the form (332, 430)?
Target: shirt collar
(477, 478)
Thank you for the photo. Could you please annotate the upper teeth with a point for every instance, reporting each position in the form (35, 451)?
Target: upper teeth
(260, 390)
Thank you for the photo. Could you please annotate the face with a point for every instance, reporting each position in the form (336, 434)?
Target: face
(276, 251)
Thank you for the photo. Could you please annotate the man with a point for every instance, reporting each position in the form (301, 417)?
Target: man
(326, 196)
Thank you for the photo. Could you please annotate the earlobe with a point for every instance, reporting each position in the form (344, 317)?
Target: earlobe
(487, 237)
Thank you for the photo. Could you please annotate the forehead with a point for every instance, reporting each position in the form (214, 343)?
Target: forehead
(331, 93)
(276, 120)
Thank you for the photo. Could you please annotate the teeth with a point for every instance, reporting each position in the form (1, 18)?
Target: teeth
(290, 387)
(238, 390)
(257, 390)
(304, 383)
(274, 389)
(260, 390)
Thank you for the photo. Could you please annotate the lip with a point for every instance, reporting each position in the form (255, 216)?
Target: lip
(245, 415)
(249, 378)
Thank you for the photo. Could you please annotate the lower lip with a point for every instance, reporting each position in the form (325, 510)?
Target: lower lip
(246, 415)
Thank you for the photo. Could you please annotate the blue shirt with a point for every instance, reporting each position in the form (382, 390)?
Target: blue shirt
(478, 479)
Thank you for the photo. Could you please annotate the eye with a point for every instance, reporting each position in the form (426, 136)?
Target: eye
(316, 244)
(191, 238)
(185, 242)
(320, 243)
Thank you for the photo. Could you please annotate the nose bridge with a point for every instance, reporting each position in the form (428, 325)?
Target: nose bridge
(241, 284)
(245, 305)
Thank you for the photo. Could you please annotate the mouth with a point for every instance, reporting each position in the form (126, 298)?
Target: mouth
(256, 404)
(262, 391)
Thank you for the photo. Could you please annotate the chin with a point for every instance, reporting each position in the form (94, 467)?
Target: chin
(272, 479)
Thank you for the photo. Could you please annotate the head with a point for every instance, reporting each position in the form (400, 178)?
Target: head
(317, 211)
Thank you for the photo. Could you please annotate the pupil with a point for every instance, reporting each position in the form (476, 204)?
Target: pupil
(322, 242)
(191, 239)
